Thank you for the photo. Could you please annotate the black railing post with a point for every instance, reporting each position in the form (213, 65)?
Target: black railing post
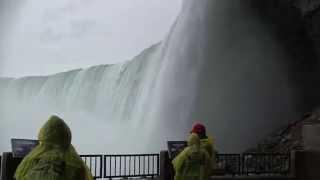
(94, 158)
(158, 165)
(0, 165)
(134, 165)
(115, 165)
(138, 173)
(110, 163)
(120, 165)
(153, 165)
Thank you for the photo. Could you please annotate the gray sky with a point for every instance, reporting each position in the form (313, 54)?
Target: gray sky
(43, 37)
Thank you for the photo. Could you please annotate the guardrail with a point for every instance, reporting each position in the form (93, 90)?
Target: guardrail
(264, 163)
(240, 165)
(254, 163)
(94, 163)
(148, 165)
(230, 163)
(131, 165)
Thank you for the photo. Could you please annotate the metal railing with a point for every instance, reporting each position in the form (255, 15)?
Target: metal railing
(131, 165)
(265, 163)
(94, 163)
(254, 164)
(230, 163)
(147, 165)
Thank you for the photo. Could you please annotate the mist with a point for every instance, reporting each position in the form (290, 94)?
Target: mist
(226, 63)
(44, 38)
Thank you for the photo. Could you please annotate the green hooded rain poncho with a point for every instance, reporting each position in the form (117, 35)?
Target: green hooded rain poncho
(207, 144)
(54, 158)
(193, 163)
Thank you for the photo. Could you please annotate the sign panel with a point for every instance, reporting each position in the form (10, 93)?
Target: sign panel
(175, 147)
(21, 147)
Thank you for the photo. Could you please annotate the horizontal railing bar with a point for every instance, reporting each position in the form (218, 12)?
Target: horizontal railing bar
(131, 155)
(142, 175)
(265, 154)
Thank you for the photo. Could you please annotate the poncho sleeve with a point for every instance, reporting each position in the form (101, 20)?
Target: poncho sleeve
(179, 160)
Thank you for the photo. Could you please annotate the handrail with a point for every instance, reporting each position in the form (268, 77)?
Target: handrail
(148, 165)
(230, 163)
(131, 165)
(94, 163)
(266, 163)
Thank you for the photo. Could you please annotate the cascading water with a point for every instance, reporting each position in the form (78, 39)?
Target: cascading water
(220, 63)
(226, 65)
(102, 104)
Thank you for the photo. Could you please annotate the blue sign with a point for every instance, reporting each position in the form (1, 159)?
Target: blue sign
(21, 147)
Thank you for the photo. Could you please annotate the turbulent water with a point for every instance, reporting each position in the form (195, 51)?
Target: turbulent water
(220, 63)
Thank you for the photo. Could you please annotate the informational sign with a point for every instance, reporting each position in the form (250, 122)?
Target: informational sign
(175, 147)
(21, 147)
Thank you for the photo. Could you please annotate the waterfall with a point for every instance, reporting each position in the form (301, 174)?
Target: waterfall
(102, 101)
(221, 63)
(230, 64)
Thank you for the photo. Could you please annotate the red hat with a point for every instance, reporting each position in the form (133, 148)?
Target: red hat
(198, 128)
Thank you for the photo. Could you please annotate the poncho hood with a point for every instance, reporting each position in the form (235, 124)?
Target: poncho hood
(55, 132)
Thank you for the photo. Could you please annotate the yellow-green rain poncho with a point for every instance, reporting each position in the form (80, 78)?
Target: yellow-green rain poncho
(193, 163)
(54, 158)
(207, 144)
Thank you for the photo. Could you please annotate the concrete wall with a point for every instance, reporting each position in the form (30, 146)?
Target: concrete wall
(307, 165)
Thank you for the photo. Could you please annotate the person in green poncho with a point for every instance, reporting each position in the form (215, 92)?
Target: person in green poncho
(193, 163)
(206, 142)
(54, 158)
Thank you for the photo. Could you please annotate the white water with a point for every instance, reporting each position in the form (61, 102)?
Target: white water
(96, 102)
(220, 63)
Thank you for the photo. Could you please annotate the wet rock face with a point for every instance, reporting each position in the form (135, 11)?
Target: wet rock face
(310, 11)
(296, 24)
(300, 23)
(306, 6)
(314, 29)
(289, 137)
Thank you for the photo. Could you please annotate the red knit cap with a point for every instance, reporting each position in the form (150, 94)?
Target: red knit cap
(198, 128)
